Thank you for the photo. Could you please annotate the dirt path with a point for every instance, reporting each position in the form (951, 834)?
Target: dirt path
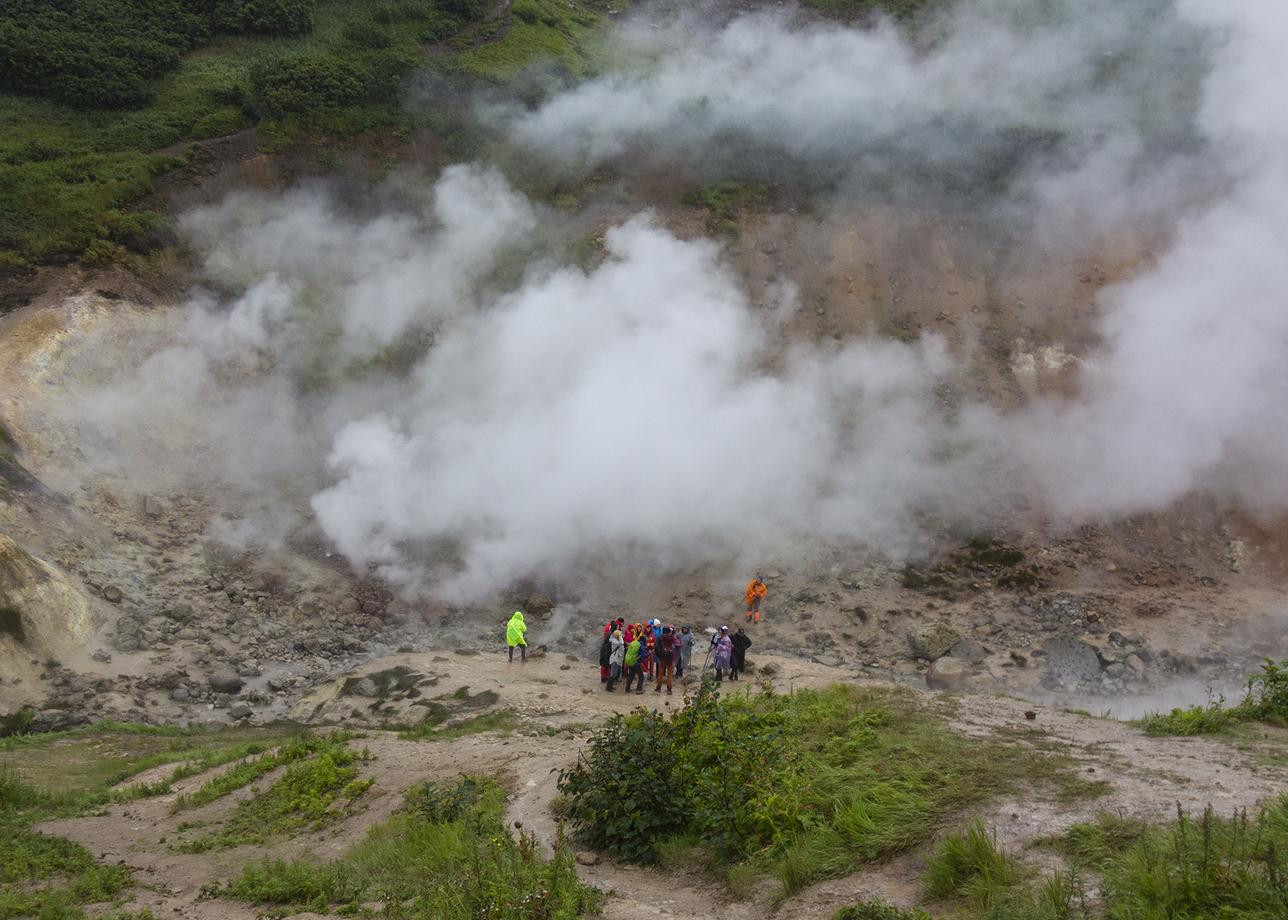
(556, 708)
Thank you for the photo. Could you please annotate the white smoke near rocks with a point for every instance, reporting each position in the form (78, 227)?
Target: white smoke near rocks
(628, 410)
(1191, 387)
(461, 422)
(1048, 103)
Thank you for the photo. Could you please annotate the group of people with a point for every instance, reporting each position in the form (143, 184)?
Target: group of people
(657, 651)
(661, 653)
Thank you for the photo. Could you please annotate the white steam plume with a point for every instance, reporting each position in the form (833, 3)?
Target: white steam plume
(1058, 100)
(626, 411)
(458, 432)
(1191, 388)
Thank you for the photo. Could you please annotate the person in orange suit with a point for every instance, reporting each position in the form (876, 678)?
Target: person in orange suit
(756, 592)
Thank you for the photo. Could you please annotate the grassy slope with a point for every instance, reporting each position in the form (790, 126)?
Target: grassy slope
(68, 177)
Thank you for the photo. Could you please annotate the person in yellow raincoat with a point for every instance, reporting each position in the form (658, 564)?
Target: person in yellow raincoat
(514, 631)
(756, 592)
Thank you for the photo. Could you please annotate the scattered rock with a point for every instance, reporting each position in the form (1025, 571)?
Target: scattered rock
(586, 858)
(949, 674)
(1071, 663)
(1030, 714)
(932, 640)
(241, 711)
(225, 683)
(969, 650)
(112, 594)
(539, 605)
(102, 656)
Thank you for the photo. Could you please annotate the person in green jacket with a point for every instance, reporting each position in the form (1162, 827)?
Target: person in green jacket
(633, 667)
(514, 631)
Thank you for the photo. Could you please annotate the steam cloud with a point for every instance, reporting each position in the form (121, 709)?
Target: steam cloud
(460, 424)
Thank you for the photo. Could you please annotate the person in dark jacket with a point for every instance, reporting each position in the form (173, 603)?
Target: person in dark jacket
(686, 651)
(605, 656)
(666, 650)
(738, 660)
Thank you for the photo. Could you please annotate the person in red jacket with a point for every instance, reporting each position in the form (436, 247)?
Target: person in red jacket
(756, 592)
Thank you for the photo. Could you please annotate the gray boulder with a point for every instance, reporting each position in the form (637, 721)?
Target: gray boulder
(952, 674)
(225, 683)
(931, 641)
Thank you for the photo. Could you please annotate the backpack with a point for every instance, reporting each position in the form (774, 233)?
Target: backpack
(605, 652)
(665, 648)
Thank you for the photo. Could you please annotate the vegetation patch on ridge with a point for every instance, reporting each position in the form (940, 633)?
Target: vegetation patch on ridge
(805, 786)
(446, 854)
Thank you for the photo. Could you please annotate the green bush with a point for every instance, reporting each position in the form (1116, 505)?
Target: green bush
(1264, 700)
(305, 82)
(807, 785)
(94, 53)
(261, 17)
(222, 121)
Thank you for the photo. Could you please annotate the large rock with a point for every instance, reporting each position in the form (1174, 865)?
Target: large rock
(225, 683)
(932, 640)
(1071, 663)
(951, 674)
(538, 605)
(969, 650)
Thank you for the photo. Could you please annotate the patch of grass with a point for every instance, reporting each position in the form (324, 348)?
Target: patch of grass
(1192, 868)
(1265, 700)
(46, 876)
(498, 720)
(246, 772)
(447, 854)
(541, 33)
(70, 174)
(1208, 719)
(827, 780)
(310, 795)
(971, 867)
(1099, 843)
(725, 201)
(77, 765)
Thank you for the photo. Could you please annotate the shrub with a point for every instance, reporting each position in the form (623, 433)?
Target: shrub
(305, 82)
(262, 17)
(970, 866)
(222, 121)
(1267, 695)
(807, 785)
(1265, 700)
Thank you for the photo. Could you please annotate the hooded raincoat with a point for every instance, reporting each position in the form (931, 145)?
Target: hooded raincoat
(515, 629)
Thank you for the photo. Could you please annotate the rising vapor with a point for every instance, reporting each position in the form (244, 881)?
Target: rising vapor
(460, 422)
